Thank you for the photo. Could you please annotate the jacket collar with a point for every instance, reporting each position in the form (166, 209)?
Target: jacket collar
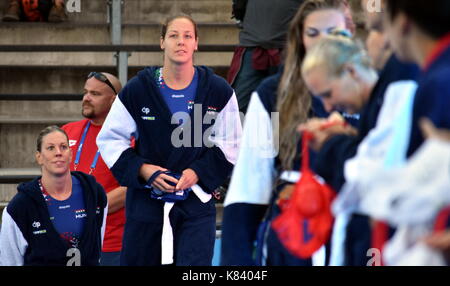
(148, 74)
(442, 45)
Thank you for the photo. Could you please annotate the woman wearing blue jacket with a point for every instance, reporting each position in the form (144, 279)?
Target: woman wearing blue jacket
(269, 157)
(58, 218)
(187, 128)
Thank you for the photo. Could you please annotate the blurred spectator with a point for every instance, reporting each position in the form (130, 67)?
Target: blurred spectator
(35, 11)
(264, 27)
(441, 239)
(420, 32)
(261, 40)
(338, 149)
(238, 11)
(259, 168)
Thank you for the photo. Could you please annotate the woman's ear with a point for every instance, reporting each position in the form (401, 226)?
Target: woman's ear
(37, 156)
(405, 24)
(351, 70)
(161, 43)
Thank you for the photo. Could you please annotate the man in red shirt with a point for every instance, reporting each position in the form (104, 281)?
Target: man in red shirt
(100, 90)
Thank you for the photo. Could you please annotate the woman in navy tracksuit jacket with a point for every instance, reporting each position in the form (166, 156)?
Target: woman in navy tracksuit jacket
(30, 235)
(262, 171)
(202, 149)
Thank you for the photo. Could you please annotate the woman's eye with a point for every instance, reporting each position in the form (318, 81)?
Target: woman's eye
(312, 33)
(50, 148)
(334, 30)
(326, 95)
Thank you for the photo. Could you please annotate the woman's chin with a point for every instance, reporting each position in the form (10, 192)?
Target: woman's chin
(58, 172)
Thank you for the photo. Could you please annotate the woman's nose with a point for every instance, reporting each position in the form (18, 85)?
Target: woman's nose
(58, 151)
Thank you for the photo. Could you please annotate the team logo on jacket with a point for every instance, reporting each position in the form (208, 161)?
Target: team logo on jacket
(211, 110)
(81, 213)
(37, 224)
(72, 143)
(146, 111)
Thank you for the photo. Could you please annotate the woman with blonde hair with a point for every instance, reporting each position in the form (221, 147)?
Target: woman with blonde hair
(268, 163)
(339, 71)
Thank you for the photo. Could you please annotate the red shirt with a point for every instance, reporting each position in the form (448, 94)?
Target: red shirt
(114, 222)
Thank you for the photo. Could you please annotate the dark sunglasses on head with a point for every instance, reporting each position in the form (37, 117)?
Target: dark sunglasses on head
(101, 77)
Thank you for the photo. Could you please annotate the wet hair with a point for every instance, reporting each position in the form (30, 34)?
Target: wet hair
(333, 53)
(169, 20)
(433, 17)
(44, 132)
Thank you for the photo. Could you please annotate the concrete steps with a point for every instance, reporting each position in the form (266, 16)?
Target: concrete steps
(157, 10)
(64, 72)
(19, 174)
(20, 79)
(98, 34)
(21, 121)
(144, 11)
(103, 59)
(7, 191)
(18, 144)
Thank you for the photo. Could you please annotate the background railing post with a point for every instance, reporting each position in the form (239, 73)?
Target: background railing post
(116, 39)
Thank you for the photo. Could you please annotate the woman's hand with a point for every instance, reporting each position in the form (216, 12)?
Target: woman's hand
(323, 129)
(286, 193)
(441, 242)
(147, 170)
(429, 131)
(187, 180)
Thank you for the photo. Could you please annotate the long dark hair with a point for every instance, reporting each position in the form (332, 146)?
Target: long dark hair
(294, 101)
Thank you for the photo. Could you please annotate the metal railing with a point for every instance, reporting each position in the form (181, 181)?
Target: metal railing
(106, 48)
(121, 54)
(42, 97)
(17, 175)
